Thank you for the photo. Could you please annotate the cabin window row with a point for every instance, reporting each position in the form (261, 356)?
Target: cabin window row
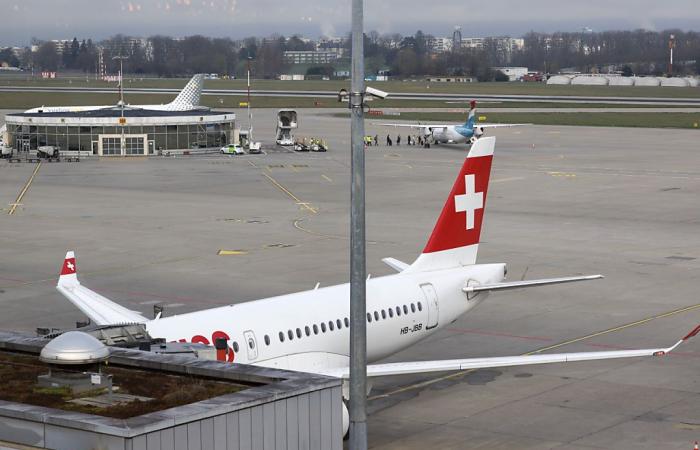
(389, 313)
(323, 327)
(298, 333)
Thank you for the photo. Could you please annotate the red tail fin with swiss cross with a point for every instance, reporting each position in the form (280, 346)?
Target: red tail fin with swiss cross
(454, 241)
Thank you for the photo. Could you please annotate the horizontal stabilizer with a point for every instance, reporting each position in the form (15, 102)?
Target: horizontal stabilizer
(99, 309)
(395, 264)
(528, 283)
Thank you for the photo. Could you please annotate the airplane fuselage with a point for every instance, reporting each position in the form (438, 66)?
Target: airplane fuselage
(453, 134)
(310, 330)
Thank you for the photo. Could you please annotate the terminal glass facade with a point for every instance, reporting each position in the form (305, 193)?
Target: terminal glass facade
(85, 138)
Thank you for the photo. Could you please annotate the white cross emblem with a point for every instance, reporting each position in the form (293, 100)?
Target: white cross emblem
(70, 266)
(470, 201)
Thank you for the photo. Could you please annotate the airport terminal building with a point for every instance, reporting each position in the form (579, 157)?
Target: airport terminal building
(112, 131)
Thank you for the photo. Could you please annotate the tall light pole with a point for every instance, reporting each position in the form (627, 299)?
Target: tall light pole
(358, 324)
(250, 113)
(122, 120)
(671, 46)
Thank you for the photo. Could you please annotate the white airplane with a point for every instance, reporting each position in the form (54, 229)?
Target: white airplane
(309, 331)
(187, 99)
(466, 133)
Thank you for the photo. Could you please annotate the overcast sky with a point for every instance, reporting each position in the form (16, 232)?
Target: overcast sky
(53, 19)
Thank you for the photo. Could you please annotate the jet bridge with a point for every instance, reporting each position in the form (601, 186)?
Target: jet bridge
(286, 122)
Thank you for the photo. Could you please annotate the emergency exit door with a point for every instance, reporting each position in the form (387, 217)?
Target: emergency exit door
(431, 301)
(251, 345)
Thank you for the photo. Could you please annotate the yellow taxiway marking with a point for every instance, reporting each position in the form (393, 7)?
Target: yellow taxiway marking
(544, 349)
(231, 252)
(562, 174)
(327, 178)
(305, 205)
(24, 190)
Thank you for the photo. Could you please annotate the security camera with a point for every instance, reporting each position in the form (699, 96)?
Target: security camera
(376, 92)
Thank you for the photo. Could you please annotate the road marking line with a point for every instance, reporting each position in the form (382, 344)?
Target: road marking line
(503, 180)
(544, 349)
(327, 178)
(24, 191)
(619, 328)
(292, 196)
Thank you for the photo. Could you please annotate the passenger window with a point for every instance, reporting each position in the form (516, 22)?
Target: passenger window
(383, 314)
(307, 330)
(290, 334)
(235, 347)
(267, 340)
(420, 306)
(299, 333)
(315, 329)
(413, 307)
(405, 309)
(369, 317)
(281, 338)
(398, 310)
(251, 344)
(376, 315)
(391, 313)
(339, 324)
(323, 326)
(347, 322)
(330, 325)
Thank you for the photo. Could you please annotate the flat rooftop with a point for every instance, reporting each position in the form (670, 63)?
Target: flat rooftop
(562, 201)
(112, 112)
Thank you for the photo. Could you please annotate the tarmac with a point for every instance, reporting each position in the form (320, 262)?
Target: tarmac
(562, 201)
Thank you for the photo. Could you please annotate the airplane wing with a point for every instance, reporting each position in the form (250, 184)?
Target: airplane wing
(500, 125)
(99, 309)
(405, 368)
(416, 126)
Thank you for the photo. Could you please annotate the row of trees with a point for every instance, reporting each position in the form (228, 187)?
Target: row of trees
(640, 52)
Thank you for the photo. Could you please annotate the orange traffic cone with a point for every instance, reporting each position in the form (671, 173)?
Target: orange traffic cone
(695, 447)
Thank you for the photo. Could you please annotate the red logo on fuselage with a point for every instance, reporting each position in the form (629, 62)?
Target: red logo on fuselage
(199, 339)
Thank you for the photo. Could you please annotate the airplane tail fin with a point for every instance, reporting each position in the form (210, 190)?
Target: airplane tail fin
(454, 241)
(190, 95)
(99, 309)
(471, 118)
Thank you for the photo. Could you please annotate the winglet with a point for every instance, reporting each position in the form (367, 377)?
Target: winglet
(69, 270)
(693, 333)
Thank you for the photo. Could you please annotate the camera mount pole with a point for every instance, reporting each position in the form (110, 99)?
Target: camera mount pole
(358, 324)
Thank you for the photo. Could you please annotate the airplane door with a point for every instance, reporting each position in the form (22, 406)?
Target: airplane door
(431, 300)
(251, 345)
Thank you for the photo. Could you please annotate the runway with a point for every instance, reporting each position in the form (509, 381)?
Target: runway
(466, 96)
(563, 201)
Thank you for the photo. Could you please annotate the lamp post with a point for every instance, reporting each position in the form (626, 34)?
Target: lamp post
(358, 324)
